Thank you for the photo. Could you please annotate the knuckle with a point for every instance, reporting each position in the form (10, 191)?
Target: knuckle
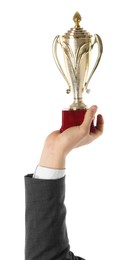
(91, 114)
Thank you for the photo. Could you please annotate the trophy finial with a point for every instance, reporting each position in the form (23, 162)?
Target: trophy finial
(77, 19)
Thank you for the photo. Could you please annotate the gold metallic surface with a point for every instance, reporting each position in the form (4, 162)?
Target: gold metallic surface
(77, 45)
(77, 19)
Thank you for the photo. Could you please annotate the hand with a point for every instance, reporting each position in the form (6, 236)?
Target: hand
(58, 145)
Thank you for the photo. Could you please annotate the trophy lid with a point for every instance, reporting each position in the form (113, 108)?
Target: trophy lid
(77, 31)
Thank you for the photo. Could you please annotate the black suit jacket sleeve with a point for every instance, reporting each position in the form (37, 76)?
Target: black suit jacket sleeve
(45, 220)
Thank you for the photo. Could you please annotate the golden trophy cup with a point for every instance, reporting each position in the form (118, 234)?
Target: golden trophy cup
(77, 45)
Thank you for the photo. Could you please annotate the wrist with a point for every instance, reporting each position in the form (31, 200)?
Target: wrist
(52, 159)
(58, 163)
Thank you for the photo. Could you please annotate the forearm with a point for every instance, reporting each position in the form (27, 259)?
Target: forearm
(46, 233)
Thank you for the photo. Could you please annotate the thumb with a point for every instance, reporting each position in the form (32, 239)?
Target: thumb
(89, 116)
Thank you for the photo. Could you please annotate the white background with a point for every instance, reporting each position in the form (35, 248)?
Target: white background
(32, 95)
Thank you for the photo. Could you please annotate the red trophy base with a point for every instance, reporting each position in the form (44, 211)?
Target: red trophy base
(73, 118)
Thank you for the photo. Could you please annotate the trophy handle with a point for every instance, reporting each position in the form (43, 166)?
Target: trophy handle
(97, 40)
(55, 55)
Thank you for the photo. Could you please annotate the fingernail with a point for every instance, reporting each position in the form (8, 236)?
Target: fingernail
(94, 108)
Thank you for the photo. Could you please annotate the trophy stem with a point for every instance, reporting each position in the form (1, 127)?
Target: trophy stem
(78, 104)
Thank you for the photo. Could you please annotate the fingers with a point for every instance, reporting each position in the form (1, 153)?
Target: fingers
(100, 123)
(99, 127)
(89, 116)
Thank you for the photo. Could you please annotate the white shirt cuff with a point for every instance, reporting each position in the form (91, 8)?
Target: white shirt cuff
(47, 173)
